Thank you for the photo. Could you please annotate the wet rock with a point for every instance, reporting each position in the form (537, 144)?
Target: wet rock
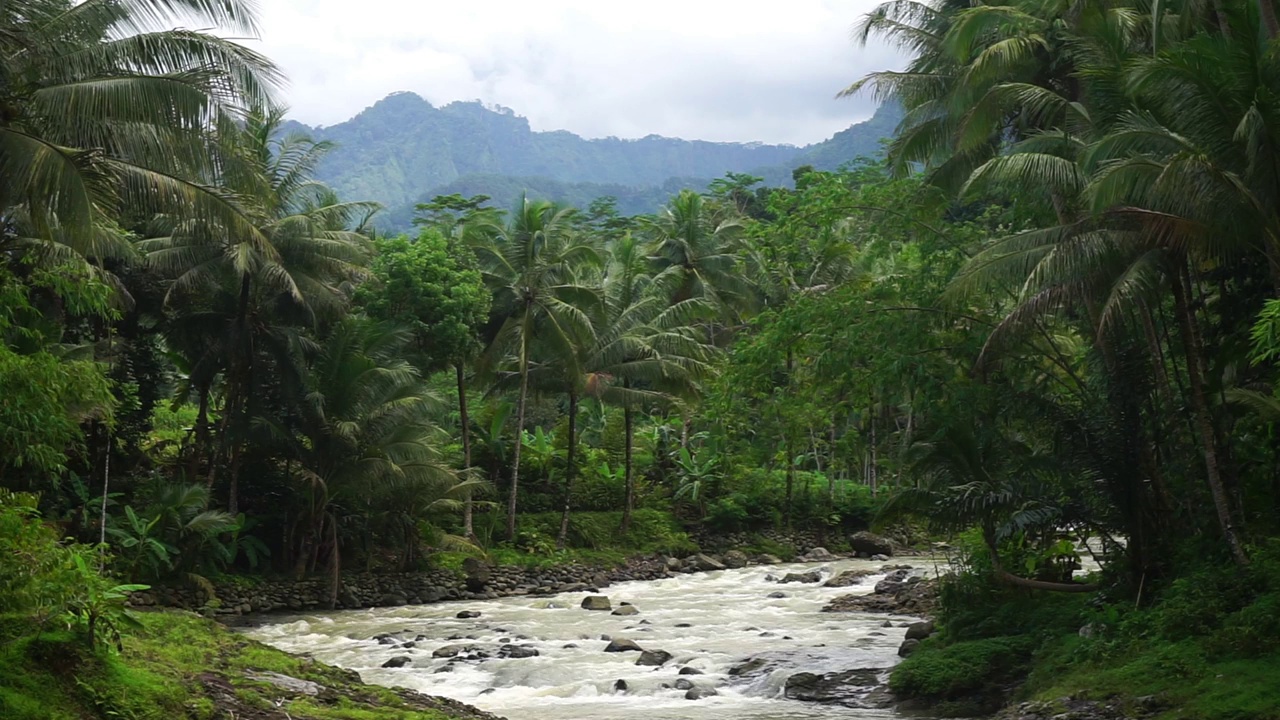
(887, 623)
(468, 614)
(893, 582)
(488, 691)
(398, 661)
(600, 580)
(347, 598)
(866, 544)
(705, 563)
(735, 559)
(862, 688)
(622, 645)
(653, 658)
(568, 646)
(620, 686)
(777, 595)
(684, 624)
(393, 600)
(767, 559)
(812, 576)
(748, 667)
(626, 610)
(686, 670)
(408, 645)
(384, 639)
(920, 630)
(682, 684)
(699, 693)
(847, 578)
(879, 557)
(517, 651)
(477, 574)
(818, 554)
(673, 564)
(449, 651)
(596, 602)
(907, 647)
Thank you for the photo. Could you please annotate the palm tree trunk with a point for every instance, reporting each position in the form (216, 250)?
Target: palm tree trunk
(1203, 417)
(245, 373)
(628, 431)
(515, 453)
(570, 468)
(1267, 12)
(468, 529)
(201, 434)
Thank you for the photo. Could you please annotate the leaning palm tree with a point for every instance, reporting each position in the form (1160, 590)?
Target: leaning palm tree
(293, 269)
(107, 110)
(531, 263)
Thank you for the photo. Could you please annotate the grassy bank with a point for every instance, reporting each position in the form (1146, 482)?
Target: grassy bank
(177, 665)
(1206, 646)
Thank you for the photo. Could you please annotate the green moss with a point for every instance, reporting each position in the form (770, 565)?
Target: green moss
(964, 668)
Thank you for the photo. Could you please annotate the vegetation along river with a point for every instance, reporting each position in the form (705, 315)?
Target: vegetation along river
(711, 622)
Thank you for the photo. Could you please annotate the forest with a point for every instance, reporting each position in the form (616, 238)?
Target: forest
(1049, 313)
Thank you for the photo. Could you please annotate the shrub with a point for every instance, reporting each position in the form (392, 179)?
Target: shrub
(962, 668)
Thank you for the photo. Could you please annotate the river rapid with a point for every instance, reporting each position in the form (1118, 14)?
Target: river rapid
(708, 621)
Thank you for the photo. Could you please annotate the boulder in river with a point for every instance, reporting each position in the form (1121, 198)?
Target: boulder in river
(477, 574)
(812, 576)
(626, 610)
(920, 630)
(449, 651)
(767, 559)
(517, 651)
(686, 670)
(620, 686)
(622, 645)
(683, 684)
(848, 577)
(392, 599)
(777, 595)
(747, 668)
(468, 615)
(734, 559)
(852, 688)
(596, 602)
(705, 563)
(697, 693)
(384, 639)
(907, 647)
(866, 544)
(397, 661)
(654, 658)
(818, 554)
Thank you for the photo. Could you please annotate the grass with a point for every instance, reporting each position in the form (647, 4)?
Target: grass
(177, 665)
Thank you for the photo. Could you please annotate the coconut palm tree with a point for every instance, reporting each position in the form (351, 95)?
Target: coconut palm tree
(106, 109)
(694, 251)
(532, 265)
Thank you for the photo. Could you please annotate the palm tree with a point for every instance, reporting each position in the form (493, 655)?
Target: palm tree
(106, 109)
(531, 264)
(366, 433)
(292, 270)
(694, 251)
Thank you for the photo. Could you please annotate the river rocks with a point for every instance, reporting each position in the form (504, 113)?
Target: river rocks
(626, 610)
(682, 684)
(620, 686)
(478, 574)
(767, 559)
(1070, 708)
(866, 544)
(895, 581)
(848, 577)
(686, 670)
(879, 557)
(777, 595)
(673, 564)
(346, 598)
(734, 559)
(596, 602)
(907, 647)
(517, 651)
(862, 688)
(747, 668)
(654, 658)
(384, 639)
(468, 615)
(391, 600)
(698, 693)
(812, 576)
(818, 554)
(600, 580)
(920, 630)
(622, 645)
(908, 598)
(704, 563)
(449, 651)
(398, 661)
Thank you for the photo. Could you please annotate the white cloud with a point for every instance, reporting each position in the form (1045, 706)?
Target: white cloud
(706, 69)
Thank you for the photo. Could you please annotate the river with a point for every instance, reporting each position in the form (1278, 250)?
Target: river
(707, 621)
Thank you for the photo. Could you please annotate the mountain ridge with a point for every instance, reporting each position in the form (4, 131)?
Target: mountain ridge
(402, 150)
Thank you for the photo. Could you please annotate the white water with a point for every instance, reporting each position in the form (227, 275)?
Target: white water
(728, 611)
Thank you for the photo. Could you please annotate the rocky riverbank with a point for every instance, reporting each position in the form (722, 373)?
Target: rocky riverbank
(235, 598)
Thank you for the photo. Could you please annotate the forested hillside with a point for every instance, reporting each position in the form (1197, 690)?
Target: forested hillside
(403, 150)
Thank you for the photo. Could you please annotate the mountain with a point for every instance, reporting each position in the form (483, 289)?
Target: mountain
(404, 150)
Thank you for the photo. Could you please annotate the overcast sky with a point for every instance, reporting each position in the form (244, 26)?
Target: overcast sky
(738, 70)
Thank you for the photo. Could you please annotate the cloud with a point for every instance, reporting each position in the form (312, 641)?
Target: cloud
(707, 69)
